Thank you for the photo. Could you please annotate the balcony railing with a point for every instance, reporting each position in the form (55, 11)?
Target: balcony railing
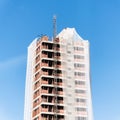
(60, 92)
(36, 86)
(46, 47)
(44, 73)
(60, 101)
(36, 95)
(44, 56)
(57, 75)
(44, 109)
(44, 100)
(35, 112)
(37, 68)
(37, 76)
(38, 50)
(46, 65)
(44, 91)
(57, 57)
(35, 104)
(60, 83)
(37, 59)
(60, 111)
(47, 110)
(44, 82)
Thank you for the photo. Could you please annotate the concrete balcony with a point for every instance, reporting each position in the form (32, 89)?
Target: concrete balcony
(47, 101)
(44, 100)
(38, 50)
(45, 118)
(60, 92)
(37, 68)
(36, 85)
(44, 82)
(36, 103)
(44, 109)
(51, 75)
(44, 56)
(37, 59)
(37, 76)
(60, 101)
(35, 112)
(60, 111)
(36, 94)
(57, 57)
(49, 55)
(60, 83)
(58, 75)
(57, 49)
(44, 91)
(46, 65)
(46, 48)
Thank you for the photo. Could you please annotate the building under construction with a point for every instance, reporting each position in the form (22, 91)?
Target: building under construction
(58, 78)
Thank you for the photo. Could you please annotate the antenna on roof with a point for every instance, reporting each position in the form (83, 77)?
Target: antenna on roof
(54, 27)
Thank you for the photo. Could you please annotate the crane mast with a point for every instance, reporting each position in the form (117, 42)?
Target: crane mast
(55, 65)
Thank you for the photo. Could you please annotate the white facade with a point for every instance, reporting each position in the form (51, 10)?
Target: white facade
(29, 77)
(76, 89)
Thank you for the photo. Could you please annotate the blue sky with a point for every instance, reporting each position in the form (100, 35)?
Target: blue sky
(95, 20)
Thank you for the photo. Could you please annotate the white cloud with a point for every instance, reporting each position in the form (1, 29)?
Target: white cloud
(12, 62)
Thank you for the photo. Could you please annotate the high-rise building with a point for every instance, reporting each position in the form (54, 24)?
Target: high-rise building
(58, 78)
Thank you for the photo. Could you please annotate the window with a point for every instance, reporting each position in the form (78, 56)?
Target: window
(69, 95)
(80, 109)
(79, 48)
(69, 52)
(69, 60)
(69, 77)
(79, 74)
(78, 65)
(80, 91)
(69, 86)
(81, 118)
(78, 57)
(81, 100)
(80, 82)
